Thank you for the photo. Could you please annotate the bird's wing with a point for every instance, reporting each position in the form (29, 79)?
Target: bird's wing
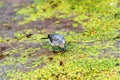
(55, 37)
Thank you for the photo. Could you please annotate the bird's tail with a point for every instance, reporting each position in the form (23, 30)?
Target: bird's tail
(44, 38)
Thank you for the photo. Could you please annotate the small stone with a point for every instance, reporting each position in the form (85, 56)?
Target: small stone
(61, 63)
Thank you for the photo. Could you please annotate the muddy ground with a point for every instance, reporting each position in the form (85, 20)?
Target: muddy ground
(9, 26)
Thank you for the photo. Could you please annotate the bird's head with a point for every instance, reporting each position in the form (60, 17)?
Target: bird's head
(61, 44)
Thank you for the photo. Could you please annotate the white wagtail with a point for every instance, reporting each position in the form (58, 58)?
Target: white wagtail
(56, 40)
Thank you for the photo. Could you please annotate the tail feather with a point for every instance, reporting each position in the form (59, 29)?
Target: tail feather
(44, 38)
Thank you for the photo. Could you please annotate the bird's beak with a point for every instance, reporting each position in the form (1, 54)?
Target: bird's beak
(63, 50)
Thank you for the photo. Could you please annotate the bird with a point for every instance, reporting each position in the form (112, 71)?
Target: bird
(56, 40)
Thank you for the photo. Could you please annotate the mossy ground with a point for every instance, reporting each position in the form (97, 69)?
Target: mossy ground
(92, 42)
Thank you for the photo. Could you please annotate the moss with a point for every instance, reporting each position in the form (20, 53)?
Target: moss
(1, 4)
(89, 55)
(80, 61)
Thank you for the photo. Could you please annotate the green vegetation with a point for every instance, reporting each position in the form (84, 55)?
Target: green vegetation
(85, 58)
(81, 61)
(1, 4)
(102, 16)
